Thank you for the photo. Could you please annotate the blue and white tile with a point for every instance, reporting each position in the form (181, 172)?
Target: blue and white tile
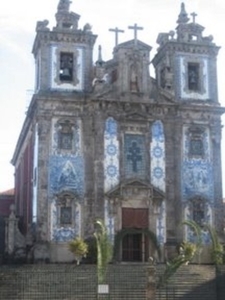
(158, 174)
(157, 155)
(60, 233)
(77, 147)
(197, 173)
(66, 173)
(109, 222)
(111, 154)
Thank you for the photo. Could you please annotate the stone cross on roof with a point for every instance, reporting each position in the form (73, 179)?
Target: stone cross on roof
(135, 28)
(117, 31)
(194, 15)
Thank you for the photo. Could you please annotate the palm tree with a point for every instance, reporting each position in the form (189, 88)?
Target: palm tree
(194, 226)
(217, 248)
(217, 252)
(186, 253)
(104, 250)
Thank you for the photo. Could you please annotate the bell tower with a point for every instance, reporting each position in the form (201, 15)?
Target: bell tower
(186, 68)
(186, 61)
(63, 55)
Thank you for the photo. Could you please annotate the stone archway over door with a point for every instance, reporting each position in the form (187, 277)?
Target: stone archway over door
(135, 245)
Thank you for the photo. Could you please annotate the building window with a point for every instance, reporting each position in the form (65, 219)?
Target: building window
(65, 209)
(65, 215)
(65, 135)
(193, 77)
(135, 165)
(196, 142)
(163, 78)
(196, 147)
(66, 66)
(198, 211)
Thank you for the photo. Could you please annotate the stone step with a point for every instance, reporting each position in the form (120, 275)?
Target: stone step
(128, 281)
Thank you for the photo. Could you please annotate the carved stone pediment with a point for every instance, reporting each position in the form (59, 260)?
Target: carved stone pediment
(130, 45)
(135, 189)
(136, 116)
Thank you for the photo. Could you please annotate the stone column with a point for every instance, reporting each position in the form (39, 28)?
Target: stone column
(151, 286)
(10, 231)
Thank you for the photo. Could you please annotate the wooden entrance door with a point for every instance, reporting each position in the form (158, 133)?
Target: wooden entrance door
(132, 247)
(135, 242)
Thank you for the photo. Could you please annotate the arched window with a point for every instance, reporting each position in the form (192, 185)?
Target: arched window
(66, 67)
(198, 210)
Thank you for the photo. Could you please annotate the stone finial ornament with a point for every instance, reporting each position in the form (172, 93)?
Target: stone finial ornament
(64, 5)
(42, 25)
(183, 16)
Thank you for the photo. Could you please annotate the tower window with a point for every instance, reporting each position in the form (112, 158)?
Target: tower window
(193, 37)
(66, 66)
(65, 136)
(162, 78)
(193, 77)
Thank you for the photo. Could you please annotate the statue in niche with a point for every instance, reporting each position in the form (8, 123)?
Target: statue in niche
(134, 78)
(134, 72)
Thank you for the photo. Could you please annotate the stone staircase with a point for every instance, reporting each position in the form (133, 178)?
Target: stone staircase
(189, 282)
(126, 281)
(70, 282)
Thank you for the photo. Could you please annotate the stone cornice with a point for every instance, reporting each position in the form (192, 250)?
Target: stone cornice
(75, 37)
(182, 47)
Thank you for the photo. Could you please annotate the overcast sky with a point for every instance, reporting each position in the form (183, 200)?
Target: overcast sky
(17, 31)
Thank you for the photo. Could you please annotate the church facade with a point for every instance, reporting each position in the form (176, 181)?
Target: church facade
(109, 141)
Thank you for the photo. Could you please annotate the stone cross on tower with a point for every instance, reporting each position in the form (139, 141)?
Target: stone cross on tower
(194, 15)
(117, 31)
(135, 28)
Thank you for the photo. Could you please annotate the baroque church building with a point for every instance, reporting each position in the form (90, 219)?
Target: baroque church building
(108, 141)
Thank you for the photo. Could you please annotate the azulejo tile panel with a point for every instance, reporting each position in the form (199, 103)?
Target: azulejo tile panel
(66, 173)
(109, 222)
(111, 154)
(189, 233)
(157, 154)
(157, 167)
(197, 180)
(77, 141)
(60, 233)
(197, 172)
(161, 224)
